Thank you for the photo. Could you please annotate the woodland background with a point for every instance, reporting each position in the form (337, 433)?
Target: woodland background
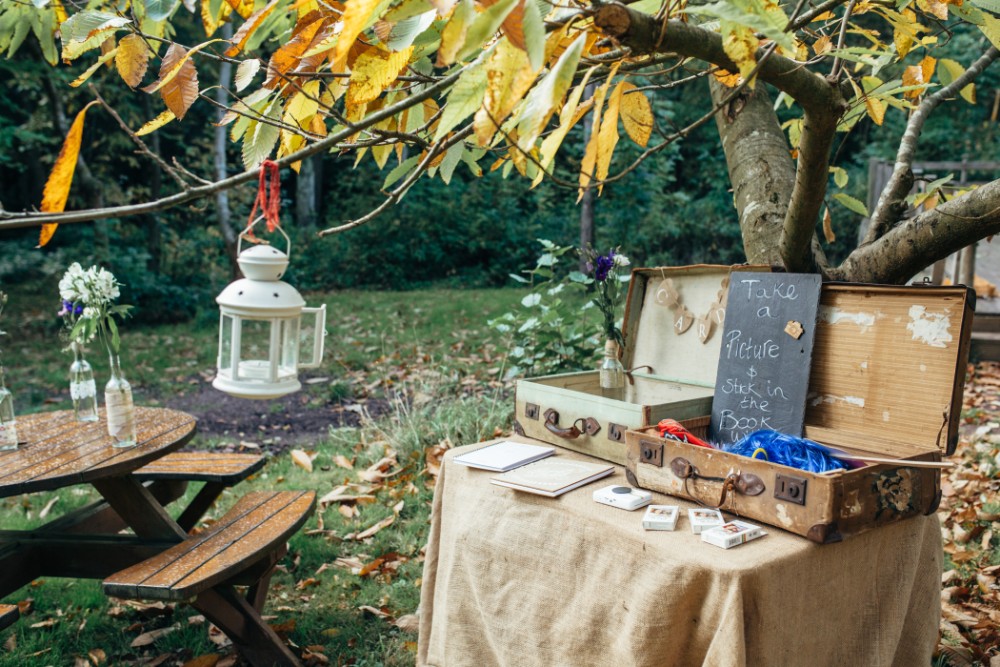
(675, 209)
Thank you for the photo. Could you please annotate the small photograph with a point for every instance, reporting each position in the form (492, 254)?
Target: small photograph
(704, 515)
(731, 528)
(667, 511)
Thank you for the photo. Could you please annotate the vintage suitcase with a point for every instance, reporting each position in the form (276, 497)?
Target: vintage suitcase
(673, 369)
(888, 371)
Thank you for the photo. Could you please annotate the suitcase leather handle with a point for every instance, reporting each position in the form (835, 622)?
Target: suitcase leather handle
(743, 483)
(590, 426)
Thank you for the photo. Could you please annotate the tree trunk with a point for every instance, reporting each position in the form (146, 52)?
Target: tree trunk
(154, 235)
(219, 161)
(307, 193)
(760, 169)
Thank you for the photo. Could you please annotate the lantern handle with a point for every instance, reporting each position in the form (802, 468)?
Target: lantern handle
(248, 235)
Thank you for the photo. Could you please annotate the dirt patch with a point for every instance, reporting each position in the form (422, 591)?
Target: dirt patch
(302, 418)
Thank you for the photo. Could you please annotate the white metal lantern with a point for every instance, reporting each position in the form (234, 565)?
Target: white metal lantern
(264, 327)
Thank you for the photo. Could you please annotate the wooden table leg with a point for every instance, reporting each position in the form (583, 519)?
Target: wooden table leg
(136, 505)
(18, 567)
(206, 497)
(254, 639)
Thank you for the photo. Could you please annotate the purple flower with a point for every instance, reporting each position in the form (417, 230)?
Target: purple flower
(604, 264)
(69, 309)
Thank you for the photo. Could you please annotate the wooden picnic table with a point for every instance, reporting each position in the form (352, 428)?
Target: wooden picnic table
(57, 451)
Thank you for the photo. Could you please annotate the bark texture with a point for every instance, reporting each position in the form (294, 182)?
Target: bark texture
(919, 242)
(760, 169)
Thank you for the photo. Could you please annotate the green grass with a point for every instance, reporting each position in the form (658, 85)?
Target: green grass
(429, 352)
(393, 335)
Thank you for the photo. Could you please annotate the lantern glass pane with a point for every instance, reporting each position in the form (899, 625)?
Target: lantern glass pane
(255, 351)
(312, 333)
(226, 345)
(289, 348)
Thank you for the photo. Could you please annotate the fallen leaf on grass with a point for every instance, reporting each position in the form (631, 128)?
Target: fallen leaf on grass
(11, 643)
(147, 638)
(47, 623)
(343, 462)
(302, 460)
(307, 583)
(373, 530)
(408, 623)
(378, 613)
(48, 508)
(218, 637)
(210, 660)
(351, 563)
(348, 511)
(97, 656)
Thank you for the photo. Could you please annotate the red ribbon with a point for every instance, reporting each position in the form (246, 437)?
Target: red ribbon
(268, 197)
(670, 428)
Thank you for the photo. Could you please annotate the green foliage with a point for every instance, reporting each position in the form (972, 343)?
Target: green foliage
(552, 331)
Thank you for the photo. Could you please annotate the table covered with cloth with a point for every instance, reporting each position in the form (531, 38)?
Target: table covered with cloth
(516, 579)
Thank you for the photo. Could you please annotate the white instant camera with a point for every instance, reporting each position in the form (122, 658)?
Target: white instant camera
(623, 497)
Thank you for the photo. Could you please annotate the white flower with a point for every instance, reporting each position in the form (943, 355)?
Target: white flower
(69, 285)
(89, 313)
(621, 260)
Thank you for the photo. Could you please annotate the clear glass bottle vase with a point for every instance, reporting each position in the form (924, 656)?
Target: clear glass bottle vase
(612, 373)
(82, 387)
(8, 424)
(119, 408)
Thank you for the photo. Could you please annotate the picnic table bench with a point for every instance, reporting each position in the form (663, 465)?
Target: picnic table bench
(160, 560)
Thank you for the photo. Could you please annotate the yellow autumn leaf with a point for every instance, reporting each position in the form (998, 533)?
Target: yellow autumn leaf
(822, 45)
(609, 135)
(568, 117)
(935, 8)
(302, 460)
(374, 71)
(637, 115)
(132, 59)
(951, 70)
(61, 177)
(453, 35)
(508, 78)
(156, 123)
(927, 68)
(740, 44)
(726, 78)
(178, 83)
(242, 7)
(242, 35)
(876, 109)
(589, 163)
(178, 58)
(303, 105)
(356, 17)
(89, 72)
(828, 226)
(913, 76)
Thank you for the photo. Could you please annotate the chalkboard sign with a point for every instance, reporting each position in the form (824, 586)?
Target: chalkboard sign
(766, 354)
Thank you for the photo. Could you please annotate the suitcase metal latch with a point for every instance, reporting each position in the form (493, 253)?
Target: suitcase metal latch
(616, 432)
(792, 489)
(651, 452)
(531, 411)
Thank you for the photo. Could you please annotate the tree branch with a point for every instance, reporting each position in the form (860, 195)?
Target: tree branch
(915, 244)
(17, 220)
(808, 17)
(644, 34)
(892, 201)
(812, 172)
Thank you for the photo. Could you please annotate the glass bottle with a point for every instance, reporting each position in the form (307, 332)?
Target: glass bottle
(8, 424)
(119, 408)
(612, 373)
(82, 388)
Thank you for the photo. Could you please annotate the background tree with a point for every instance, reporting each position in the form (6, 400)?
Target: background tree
(422, 87)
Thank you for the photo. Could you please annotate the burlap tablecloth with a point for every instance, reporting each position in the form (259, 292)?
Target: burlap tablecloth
(518, 580)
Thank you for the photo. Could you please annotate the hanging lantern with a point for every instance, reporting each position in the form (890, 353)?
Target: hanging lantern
(266, 332)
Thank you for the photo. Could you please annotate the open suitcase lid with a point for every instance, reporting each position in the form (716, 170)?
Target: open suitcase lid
(658, 349)
(888, 367)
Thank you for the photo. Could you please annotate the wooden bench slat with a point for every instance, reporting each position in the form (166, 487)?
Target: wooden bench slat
(257, 525)
(8, 614)
(223, 468)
